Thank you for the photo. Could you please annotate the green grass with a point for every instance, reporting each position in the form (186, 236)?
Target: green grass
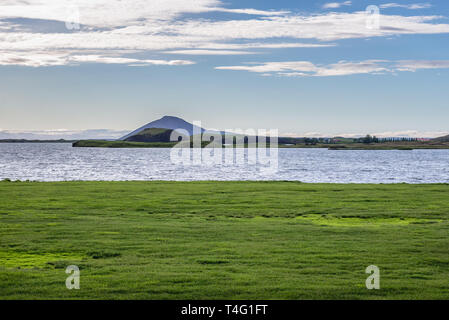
(223, 240)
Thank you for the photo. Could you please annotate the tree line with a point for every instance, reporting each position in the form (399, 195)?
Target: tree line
(373, 139)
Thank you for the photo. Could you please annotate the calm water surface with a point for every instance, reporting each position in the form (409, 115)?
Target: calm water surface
(59, 162)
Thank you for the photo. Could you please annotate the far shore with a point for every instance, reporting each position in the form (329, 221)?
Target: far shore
(392, 145)
(399, 145)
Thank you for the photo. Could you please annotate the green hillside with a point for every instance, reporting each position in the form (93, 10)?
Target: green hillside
(151, 135)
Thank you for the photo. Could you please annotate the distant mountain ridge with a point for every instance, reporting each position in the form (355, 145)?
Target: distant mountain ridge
(442, 139)
(173, 123)
(166, 122)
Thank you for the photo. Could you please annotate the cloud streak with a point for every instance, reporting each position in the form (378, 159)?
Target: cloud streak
(205, 52)
(336, 5)
(45, 59)
(341, 68)
(414, 6)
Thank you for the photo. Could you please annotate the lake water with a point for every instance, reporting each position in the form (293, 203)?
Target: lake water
(59, 162)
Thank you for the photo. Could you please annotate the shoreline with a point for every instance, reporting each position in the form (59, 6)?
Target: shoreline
(106, 144)
(6, 181)
(352, 146)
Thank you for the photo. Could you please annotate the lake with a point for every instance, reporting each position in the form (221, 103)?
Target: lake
(60, 162)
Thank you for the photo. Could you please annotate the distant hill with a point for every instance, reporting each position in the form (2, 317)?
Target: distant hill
(442, 139)
(166, 122)
(151, 135)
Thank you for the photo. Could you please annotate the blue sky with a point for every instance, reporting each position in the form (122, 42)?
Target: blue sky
(303, 67)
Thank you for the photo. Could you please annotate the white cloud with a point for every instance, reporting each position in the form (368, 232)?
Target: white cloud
(341, 68)
(406, 6)
(325, 27)
(335, 5)
(204, 52)
(253, 12)
(304, 66)
(119, 60)
(256, 45)
(122, 29)
(41, 59)
(413, 65)
(105, 13)
(33, 59)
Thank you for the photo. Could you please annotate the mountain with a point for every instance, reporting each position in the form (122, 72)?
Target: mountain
(166, 122)
(442, 139)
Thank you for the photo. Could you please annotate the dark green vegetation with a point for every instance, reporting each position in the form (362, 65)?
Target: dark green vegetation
(121, 144)
(223, 240)
(152, 135)
(366, 143)
(374, 143)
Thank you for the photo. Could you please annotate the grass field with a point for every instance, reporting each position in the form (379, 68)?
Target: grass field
(223, 240)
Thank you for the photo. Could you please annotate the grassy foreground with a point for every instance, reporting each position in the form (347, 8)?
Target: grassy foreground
(223, 240)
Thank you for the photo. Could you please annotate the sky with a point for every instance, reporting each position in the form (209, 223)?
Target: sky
(101, 68)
